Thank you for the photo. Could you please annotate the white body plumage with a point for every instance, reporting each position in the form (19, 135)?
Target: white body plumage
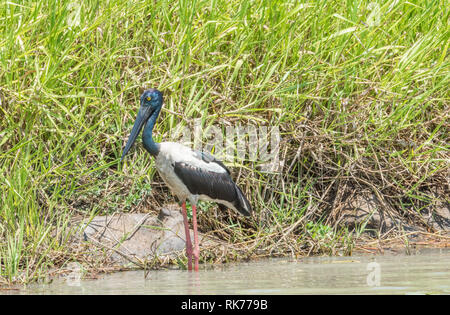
(181, 168)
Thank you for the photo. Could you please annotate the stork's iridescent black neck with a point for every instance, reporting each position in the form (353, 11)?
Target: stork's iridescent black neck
(151, 103)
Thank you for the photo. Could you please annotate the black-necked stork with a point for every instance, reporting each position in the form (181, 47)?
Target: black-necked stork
(190, 174)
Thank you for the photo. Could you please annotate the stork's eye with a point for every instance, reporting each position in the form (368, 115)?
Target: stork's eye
(149, 98)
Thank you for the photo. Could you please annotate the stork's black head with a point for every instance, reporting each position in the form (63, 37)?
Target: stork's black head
(151, 103)
(152, 98)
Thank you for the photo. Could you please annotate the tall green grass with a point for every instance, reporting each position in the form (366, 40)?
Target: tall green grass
(361, 87)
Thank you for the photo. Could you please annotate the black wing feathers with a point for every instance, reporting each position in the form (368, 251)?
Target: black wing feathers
(218, 186)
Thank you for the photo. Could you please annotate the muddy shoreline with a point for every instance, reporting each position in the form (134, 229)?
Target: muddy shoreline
(150, 240)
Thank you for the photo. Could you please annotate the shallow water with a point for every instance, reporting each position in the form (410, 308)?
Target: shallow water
(425, 272)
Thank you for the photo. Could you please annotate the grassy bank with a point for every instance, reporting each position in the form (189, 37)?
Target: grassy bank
(359, 92)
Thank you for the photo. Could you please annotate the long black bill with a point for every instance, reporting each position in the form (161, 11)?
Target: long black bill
(141, 118)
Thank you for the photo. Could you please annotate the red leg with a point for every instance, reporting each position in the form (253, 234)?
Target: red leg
(196, 245)
(188, 236)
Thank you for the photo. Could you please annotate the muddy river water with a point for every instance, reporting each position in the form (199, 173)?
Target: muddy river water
(426, 271)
